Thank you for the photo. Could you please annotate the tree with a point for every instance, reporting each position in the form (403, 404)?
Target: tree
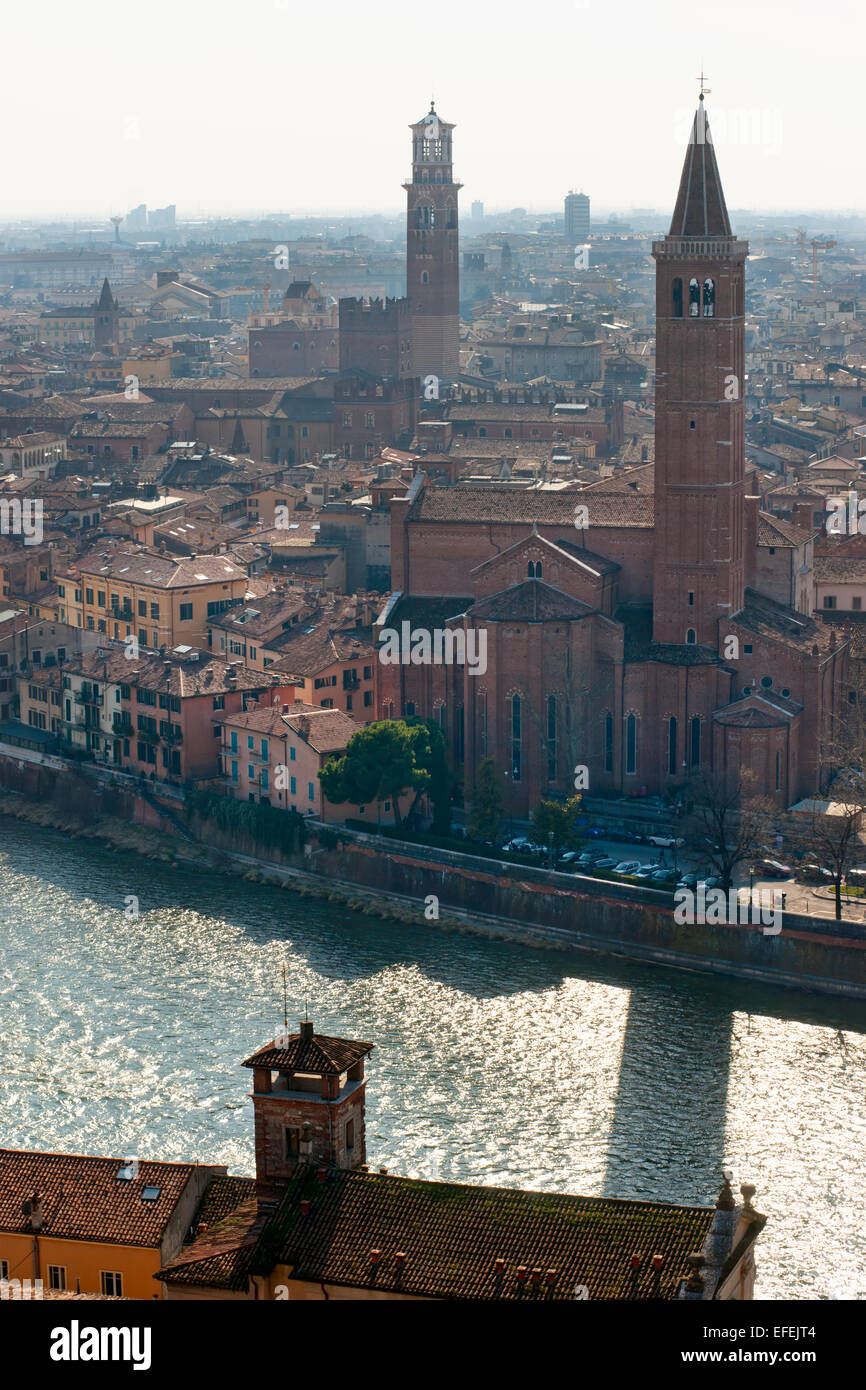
(730, 820)
(487, 805)
(553, 824)
(830, 834)
(381, 762)
(431, 755)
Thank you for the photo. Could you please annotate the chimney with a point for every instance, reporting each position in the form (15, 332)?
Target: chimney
(306, 1031)
(36, 1212)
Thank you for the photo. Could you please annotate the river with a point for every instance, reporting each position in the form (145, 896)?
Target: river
(494, 1063)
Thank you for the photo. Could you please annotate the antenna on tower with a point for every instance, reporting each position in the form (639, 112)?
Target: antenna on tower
(285, 1000)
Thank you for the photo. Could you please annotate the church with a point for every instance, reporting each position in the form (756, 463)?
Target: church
(649, 627)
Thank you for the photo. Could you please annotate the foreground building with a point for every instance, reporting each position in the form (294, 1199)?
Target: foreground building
(316, 1223)
(101, 1226)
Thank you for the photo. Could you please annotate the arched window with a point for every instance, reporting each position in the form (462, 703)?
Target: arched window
(551, 738)
(694, 298)
(709, 299)
(515, 737)
(425, 278)
(631, 745)
(678, 298)
(533, 569)
(691, 637)
(608, 743)
(695, 755)
(672, 746)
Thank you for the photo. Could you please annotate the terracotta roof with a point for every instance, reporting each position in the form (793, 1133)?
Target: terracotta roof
(839, 569)
(773, 530)
(519, 505)
(220, 1257)
(452, 1235)
(325, 730)
(533, 601)
(770, 619)
(315, 1054)
(222, 1196)
(83, 1198)
(144, 567)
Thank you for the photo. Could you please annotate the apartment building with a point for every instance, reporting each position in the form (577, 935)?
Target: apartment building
(156, 599)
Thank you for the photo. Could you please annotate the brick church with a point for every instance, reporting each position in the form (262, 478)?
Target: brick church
(646, 627)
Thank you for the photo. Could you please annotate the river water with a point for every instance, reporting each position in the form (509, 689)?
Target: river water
(494, 1063)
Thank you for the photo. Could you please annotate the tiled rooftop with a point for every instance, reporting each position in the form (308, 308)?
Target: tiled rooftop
(83, 1198)
(458, 1241)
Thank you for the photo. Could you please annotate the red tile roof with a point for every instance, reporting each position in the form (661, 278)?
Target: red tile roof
(83, 1198)
(458, 1241)
(314, 1054)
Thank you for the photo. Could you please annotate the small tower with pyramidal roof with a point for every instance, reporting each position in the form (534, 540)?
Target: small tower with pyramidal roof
(308, 1098)
(106, 318)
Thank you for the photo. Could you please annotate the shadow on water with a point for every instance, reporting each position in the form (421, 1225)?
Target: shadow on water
(673, 1079)
(699, 1006)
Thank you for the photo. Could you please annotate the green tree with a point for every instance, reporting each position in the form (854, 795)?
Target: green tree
(486, 807)
(381, 762)
(431, 755)
(553, 824)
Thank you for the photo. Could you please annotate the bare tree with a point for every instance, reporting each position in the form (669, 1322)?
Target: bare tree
(730, 819)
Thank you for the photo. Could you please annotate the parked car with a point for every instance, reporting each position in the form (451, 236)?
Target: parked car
(813, 873)
(595, 832)
(628, 866)
(688, 881)
(590, 856)
(662, 876)
(664, 841)
(625, 837)
(606, 861)
(772, 868)
(568, 857)
(645, 871)
(857, 875)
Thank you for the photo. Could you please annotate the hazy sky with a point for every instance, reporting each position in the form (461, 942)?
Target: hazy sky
(303, 105)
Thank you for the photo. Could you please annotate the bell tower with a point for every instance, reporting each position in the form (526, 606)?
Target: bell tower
(105, 318)
(698, 574)
(308, 1101)
(432, 251)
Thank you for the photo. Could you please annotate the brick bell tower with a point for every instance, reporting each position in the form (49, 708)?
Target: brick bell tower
(432, 251)
(698, 573)
(308, 1100)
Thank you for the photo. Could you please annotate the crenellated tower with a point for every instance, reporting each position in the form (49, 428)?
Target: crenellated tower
(432, 251)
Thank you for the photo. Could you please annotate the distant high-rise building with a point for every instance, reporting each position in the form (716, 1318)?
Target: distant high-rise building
(477, 212)
(136, 221)
(577, 216)
(162, 217)
(432, 240)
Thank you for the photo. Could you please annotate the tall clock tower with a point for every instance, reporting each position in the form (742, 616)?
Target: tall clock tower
(700, 421)
(432, 251)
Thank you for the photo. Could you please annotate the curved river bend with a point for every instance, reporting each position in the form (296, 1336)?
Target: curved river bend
(494, 1063)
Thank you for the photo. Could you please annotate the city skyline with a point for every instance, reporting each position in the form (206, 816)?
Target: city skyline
(225, 148)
